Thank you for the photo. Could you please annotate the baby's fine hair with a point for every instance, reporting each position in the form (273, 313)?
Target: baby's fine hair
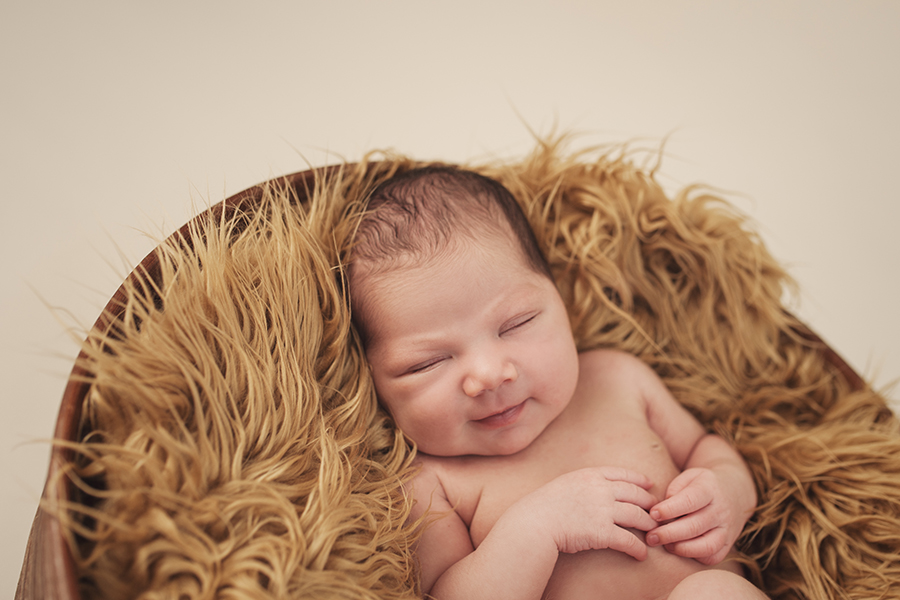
(417, 213)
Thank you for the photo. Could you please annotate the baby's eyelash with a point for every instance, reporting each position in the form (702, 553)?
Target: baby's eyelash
(423, 365)
(515, 324)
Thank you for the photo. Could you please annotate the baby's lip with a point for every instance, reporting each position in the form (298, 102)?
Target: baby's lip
(501, 418)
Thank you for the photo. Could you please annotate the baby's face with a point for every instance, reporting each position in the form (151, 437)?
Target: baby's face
(471, 354)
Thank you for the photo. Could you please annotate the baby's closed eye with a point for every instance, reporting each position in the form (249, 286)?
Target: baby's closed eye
(424, 365)
(518, 322)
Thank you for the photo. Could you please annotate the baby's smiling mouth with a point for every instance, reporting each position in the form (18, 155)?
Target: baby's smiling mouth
(502, 418)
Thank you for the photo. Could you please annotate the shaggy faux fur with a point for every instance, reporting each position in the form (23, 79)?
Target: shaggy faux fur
(233, 446)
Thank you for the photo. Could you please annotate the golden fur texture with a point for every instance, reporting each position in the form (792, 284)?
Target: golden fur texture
(235, 450)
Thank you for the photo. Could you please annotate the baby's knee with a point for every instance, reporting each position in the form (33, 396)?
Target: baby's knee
(716, 584)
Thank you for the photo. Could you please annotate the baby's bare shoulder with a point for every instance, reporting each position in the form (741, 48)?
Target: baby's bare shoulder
(613, 364)
(619, 378)
(427, 468)
(426, 485)
(439, 472)
(451, 483)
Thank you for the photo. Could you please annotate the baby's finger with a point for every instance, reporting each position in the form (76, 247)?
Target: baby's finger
(679, 530)
(626, 475)
(687, 501)
(623, 540)
(631, 493)
(709, 549)
(631, 515)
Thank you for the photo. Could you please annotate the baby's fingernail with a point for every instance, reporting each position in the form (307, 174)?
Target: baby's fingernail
(654, 514)
(652, 540)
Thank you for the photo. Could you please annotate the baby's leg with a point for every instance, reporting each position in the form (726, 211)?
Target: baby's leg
(716, 584)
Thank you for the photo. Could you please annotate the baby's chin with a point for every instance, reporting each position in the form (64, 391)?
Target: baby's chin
(504, 447)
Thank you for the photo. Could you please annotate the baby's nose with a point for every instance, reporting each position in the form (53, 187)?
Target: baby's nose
(489, 377)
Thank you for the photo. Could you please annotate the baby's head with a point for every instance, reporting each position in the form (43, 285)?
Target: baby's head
(425, 214)
(466, 334)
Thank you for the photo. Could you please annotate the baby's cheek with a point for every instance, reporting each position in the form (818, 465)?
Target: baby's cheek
(394, 405)
(415, 414)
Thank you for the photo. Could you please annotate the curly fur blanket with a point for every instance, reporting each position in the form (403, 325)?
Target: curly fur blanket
(233, 447)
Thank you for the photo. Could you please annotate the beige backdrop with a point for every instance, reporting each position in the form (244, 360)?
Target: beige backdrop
(116, 117)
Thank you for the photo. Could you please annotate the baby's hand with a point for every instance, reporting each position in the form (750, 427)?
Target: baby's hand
(590, 509)
(701, 519)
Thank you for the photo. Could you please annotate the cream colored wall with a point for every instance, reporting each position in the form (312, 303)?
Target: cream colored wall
(116, 116)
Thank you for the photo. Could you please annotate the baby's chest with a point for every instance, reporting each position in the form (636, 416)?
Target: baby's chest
(485, 488)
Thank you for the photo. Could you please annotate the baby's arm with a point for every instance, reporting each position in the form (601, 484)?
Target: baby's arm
(586, 509)
(708, 504)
